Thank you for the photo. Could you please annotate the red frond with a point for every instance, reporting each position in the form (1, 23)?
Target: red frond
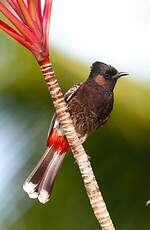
(14, 34)
(16, 9)
(17, 23)
(32, 26)
(46, 18)
(36, 12)
(27, 16)
(39, 10)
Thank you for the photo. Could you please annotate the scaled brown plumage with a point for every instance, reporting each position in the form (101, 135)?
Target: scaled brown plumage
(90, 105)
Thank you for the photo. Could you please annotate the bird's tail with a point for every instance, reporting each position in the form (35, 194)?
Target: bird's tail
(40, 182)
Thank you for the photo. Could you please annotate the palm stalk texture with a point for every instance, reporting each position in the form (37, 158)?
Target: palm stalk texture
(30, 27)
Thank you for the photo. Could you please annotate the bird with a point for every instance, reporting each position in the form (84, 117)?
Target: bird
(90, 105)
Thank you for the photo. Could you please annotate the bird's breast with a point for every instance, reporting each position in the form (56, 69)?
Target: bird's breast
(89, 109)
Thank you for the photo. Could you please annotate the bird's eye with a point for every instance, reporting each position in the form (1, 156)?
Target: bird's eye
(107, 76)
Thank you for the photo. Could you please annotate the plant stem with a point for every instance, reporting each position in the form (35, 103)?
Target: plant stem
(92, 189)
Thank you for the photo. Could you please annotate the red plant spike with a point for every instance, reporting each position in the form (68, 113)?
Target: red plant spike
(31, 24)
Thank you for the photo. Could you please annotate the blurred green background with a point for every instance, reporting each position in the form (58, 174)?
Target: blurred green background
(120, 152)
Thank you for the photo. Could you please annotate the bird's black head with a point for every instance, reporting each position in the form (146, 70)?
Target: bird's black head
(104, 74)
(103, 69)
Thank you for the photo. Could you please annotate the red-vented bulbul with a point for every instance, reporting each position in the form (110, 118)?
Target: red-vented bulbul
(90, 105)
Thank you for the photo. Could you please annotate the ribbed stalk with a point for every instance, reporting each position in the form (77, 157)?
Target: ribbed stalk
(93, 192)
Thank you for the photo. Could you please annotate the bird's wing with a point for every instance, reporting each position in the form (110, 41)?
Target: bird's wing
(71, 92)
(68, 95)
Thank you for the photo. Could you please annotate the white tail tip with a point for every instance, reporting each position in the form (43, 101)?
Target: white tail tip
(33, 195)
(29, 187)
(43, 197)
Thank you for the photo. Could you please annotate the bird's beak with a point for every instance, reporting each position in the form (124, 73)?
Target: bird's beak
(120, 74)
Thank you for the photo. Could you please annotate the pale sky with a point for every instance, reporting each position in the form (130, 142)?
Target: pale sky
(116, 32)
